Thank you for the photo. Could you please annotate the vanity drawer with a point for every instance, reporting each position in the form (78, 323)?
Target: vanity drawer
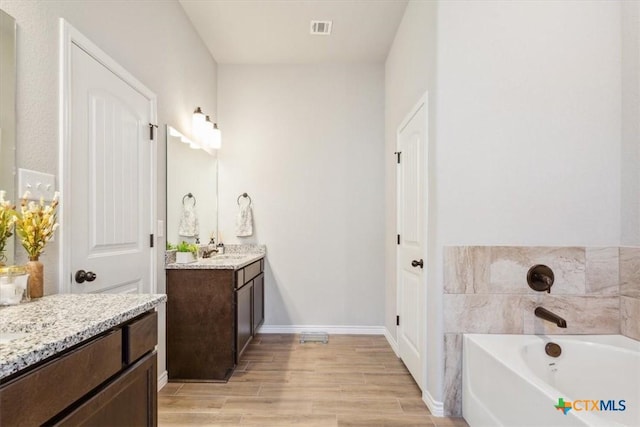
(248, 273)
(140, 337)
(252, 270)
(34, 398)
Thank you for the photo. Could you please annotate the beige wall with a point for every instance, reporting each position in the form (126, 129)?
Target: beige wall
(630, 167)
(630, 292)
(529, 123)
(305, 142)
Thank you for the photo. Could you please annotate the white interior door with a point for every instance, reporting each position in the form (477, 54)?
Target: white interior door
(412, 223)
(108, 191)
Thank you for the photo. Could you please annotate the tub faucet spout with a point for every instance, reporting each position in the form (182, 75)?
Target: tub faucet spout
(545, 314)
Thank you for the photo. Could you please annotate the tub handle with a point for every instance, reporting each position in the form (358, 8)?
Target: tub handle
(540, 278)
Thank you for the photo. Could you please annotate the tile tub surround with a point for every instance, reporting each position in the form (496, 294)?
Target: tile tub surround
(57, 322)
(485, 291)
(630, 292)
(234, 257)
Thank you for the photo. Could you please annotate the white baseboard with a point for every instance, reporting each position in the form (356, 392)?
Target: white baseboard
(330, 329)
(163, 379)
(392, 342)
(436, 408)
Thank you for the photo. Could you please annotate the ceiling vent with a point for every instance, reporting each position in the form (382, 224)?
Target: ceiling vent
(321, 28)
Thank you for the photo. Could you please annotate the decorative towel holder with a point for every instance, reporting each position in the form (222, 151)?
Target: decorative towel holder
(190, 196)
(244, 195)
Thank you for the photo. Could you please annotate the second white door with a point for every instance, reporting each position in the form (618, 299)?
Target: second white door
(108, 211)
(412, 223)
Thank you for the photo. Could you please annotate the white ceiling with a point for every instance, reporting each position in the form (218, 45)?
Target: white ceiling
(277, 31)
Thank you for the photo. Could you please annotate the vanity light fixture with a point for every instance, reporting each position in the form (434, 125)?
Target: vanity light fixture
(212, 136)
(217, 137)
(195, 145)
(175, 133)
(205, 133)
(208, 135)
(198, 124)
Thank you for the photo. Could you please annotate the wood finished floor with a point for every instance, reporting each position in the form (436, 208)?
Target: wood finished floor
(355, 380)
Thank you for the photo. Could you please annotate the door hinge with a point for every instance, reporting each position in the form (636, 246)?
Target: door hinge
(152, 132)
(398, 239)
(397, 320)
(151, 240)
(397, 153)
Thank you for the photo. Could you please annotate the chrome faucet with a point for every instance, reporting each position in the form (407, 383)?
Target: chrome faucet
(545, 314)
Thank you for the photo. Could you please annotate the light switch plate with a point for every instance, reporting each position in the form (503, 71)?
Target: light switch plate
(38, 184)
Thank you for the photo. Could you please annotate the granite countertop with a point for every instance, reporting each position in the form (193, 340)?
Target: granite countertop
(234, 258)
(34, 331)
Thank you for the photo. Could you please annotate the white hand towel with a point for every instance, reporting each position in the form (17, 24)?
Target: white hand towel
(189, 226)
(244, 221)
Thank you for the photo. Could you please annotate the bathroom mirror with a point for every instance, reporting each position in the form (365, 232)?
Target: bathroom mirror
(8, 114)
(190, 172)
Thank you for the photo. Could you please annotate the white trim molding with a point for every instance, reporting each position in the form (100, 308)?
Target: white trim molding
(163, 379)
(436, 408)
(392, 342)
(330, 329)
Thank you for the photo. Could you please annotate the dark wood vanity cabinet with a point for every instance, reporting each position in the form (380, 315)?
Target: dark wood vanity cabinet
(200, 324)
(108, 380)
(212, 314)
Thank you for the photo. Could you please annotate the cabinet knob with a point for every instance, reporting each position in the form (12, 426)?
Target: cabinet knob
(82, 276)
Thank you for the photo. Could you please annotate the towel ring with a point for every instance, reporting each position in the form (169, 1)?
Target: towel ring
(190, 196)
(245, 195)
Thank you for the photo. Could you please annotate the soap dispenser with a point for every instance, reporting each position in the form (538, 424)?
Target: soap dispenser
(220, 248)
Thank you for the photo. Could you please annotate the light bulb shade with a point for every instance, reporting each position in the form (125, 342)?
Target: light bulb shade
(216, 141)
(173, 132)
(198, 123)
(208, 135)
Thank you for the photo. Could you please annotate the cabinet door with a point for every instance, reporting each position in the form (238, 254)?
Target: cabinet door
(243, 318)
(201, 318)
(258, 302)
(130, 400)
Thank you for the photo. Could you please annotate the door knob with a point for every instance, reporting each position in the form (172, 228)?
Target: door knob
(416, 263)
(82, 276)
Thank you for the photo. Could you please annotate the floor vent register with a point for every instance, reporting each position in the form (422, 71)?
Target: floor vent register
(321, 337)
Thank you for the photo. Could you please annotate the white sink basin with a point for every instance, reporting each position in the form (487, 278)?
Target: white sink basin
(223, 258)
